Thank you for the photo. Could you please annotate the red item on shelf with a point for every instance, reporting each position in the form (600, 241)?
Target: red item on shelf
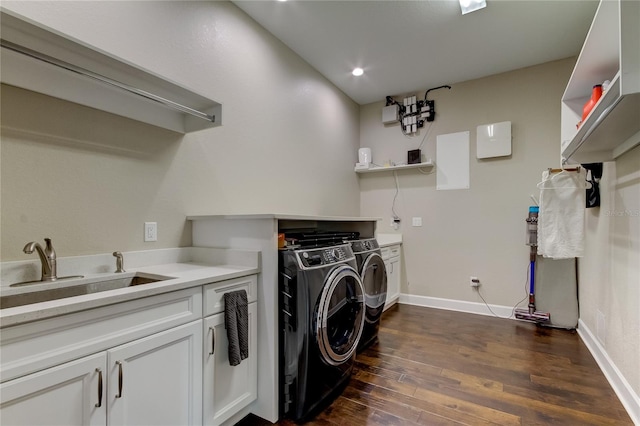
(596, 92)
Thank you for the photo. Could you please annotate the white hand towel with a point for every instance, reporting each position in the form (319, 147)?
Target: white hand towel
(561, 216)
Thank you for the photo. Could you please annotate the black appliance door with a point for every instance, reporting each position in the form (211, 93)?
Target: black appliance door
(374, 282)
(340, 315)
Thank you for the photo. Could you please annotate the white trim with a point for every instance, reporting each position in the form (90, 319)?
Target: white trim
(456, 305)
(629, 399)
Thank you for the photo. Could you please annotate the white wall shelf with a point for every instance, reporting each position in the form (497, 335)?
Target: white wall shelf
(610, 52)
(424, 165)
(156, 100)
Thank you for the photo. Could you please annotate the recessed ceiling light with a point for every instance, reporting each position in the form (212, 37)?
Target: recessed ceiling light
(357, 72)
(468, 6)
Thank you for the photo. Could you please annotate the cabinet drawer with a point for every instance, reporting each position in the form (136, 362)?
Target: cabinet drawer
(391, 251)
(34, 346)
(214, 293)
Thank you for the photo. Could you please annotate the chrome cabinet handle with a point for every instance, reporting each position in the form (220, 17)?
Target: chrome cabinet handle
(213, 340)
(99, 403)
(120, 379)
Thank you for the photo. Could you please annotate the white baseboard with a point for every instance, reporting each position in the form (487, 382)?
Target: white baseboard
(630, 400)
(457, 305)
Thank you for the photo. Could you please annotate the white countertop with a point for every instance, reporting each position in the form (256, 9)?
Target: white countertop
(195, 266)
(277, 216)
(385, 240)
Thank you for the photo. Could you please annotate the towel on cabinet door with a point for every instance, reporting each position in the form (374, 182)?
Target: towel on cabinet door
(236, 321)
(561, 216)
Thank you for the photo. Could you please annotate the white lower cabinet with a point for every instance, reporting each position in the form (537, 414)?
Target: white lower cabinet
(150, 381)
(156, 380)
(161, 360)
(227, 389)
(69, 394)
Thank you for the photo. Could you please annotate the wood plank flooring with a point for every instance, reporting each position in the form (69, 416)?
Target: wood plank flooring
(436, 367)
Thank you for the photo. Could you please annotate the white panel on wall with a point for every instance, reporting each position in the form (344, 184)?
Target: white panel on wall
(452, 151)
(493, 140)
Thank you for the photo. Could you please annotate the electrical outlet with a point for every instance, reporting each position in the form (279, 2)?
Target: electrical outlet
(150, 231)
(474, 281)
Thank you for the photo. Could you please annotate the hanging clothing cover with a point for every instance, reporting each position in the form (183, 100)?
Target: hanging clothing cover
(561, 216)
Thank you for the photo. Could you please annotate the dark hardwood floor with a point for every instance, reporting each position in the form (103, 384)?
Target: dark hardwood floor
(436, 367)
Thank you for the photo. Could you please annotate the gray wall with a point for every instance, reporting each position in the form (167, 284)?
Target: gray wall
(480, 231)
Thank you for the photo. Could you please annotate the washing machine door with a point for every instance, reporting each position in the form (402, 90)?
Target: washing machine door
(374, 282)
(340, 315)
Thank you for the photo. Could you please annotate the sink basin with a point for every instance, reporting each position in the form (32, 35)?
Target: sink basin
(95, 285)
(59, 279)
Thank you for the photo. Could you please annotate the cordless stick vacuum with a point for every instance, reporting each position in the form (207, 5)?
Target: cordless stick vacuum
(531, 314)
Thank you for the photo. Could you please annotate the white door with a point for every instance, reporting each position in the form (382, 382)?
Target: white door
(157, 380)
(69, 394)
(227, 389)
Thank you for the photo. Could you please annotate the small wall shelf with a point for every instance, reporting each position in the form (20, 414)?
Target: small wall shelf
(43, 60)
(424, 165)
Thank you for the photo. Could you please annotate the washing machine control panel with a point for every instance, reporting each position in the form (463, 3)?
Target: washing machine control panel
(362, 246)
(324, 256)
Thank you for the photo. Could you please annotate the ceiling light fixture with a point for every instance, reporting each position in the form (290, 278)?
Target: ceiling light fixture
(357, 72)
(469, 6)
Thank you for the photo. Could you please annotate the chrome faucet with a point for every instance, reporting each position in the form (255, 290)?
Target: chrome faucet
(47, 258)
(119, 262)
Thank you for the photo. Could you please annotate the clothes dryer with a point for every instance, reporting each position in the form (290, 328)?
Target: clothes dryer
(321, 317)
(373, 275)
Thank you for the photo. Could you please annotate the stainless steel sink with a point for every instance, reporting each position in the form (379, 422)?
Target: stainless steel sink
(94, 285)
(58, 280)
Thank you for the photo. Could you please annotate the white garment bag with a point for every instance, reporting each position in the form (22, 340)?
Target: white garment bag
(561, 216)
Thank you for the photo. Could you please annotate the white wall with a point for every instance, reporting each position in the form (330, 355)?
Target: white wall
(89, 179)
(610, 271)
(479, 231)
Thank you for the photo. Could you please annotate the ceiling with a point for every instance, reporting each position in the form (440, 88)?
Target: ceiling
(405, 46)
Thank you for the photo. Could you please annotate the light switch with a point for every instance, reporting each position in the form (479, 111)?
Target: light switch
(416, 221)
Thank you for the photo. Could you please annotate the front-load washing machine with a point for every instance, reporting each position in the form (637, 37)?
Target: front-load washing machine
(321, 316)
(373, 275)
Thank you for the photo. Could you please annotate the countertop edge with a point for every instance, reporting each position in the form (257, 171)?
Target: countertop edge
(276, 216)
(386, 240)
(39, 311)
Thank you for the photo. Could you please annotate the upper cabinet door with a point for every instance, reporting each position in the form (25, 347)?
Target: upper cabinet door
(70, 394)
(157, 379)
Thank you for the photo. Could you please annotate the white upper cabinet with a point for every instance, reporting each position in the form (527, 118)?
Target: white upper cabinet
(43, 60)
(611, 52)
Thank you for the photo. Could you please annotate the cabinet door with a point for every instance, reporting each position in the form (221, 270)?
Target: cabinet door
(68, 394)
(157, 380)
(227, 389)
(393, 280)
